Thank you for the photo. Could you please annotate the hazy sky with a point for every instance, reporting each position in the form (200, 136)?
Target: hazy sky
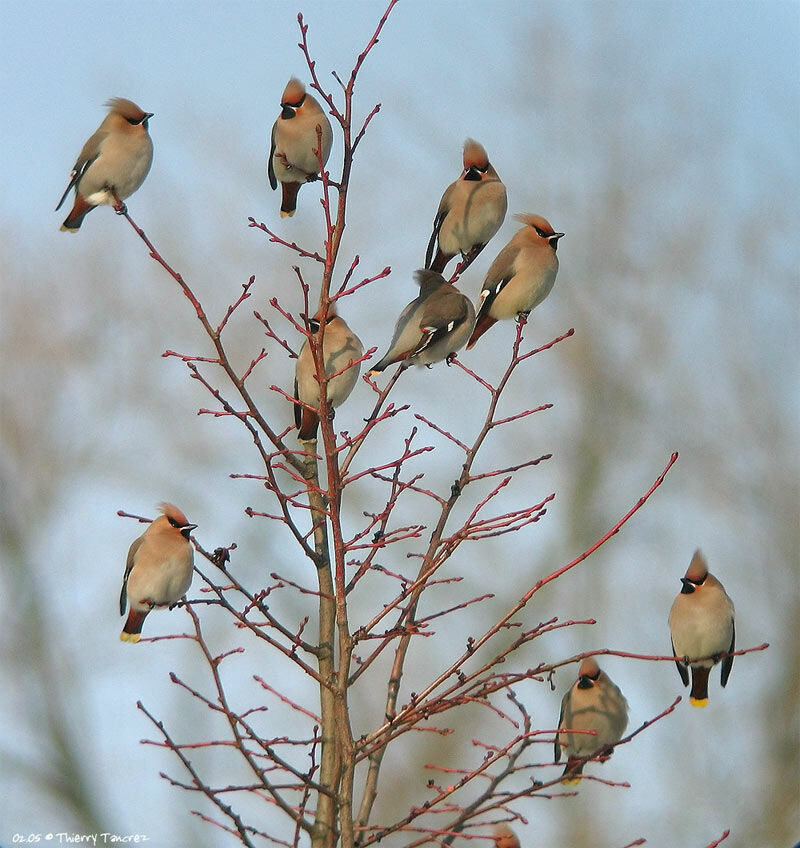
(710, 95)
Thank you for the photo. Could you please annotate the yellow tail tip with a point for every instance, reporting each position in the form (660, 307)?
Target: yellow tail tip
(287, 214)
(570, 781)
(68, 229)
(698, 702)
(129, 637)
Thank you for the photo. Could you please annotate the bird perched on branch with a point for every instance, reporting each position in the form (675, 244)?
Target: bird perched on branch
(114, 161)
(158, 572)
(701, 625)
(471, 211)
(594, 703)
(521, 276)
(293, 158)
(432, 327)
(341, 347)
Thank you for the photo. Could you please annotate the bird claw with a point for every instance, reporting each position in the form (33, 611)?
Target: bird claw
(450, 359)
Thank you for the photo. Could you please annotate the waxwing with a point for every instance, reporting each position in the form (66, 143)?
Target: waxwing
(341, 347)
(293, 158)
(115, 160)
(471, 211)
(158, 572)
(432, 327)
(593, 702)
(521, 276)
(702, 628)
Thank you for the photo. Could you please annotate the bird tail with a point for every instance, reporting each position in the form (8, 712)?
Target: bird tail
(75, 218)
(132, 631)
(572, 771)
(484, 322)
(289, 199)
(699, 694)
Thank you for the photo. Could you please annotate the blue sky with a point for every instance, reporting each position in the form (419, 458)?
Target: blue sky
(680, 121)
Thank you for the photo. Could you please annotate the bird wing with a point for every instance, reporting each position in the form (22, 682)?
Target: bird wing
(682, 670)
(437, 225)
(270, 168)
(442, 313)
(441, 214)
(557, 746)
(89, 152)
(298, 409)
(123, 595)
(727, 663)
(488, 294)
(77, 172)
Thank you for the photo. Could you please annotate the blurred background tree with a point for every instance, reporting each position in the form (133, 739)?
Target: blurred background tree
(663, 139)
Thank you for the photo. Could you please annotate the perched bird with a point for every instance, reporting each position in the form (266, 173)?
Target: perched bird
(293, 158)
(115, 160)
(158, 572)
(592, 703)
(504, 837)
(432, 327)
(471, 211)
(701, 625)
(340, 346)
(522, 275)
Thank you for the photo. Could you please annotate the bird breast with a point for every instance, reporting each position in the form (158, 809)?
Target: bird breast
(701, 627)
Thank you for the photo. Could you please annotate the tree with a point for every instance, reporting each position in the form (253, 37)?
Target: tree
(325, 777)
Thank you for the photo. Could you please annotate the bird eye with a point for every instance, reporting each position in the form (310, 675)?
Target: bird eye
(542, 234)
(313, 325)
(173, 522)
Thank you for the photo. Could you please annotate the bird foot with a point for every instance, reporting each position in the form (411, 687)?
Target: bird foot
(450, 358)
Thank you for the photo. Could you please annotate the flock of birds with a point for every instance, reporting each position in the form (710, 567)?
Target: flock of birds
(438, 323)
(433, 327)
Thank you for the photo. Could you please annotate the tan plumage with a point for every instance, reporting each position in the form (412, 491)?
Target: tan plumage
(158, 571)
(432, 327)
(471, 211)
(340, 346)
(115, 160)
(521, 276)
(701, 623)
(593, 702)
(293, 158)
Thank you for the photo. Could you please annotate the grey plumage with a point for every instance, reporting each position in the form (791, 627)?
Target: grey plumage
(433, 326)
